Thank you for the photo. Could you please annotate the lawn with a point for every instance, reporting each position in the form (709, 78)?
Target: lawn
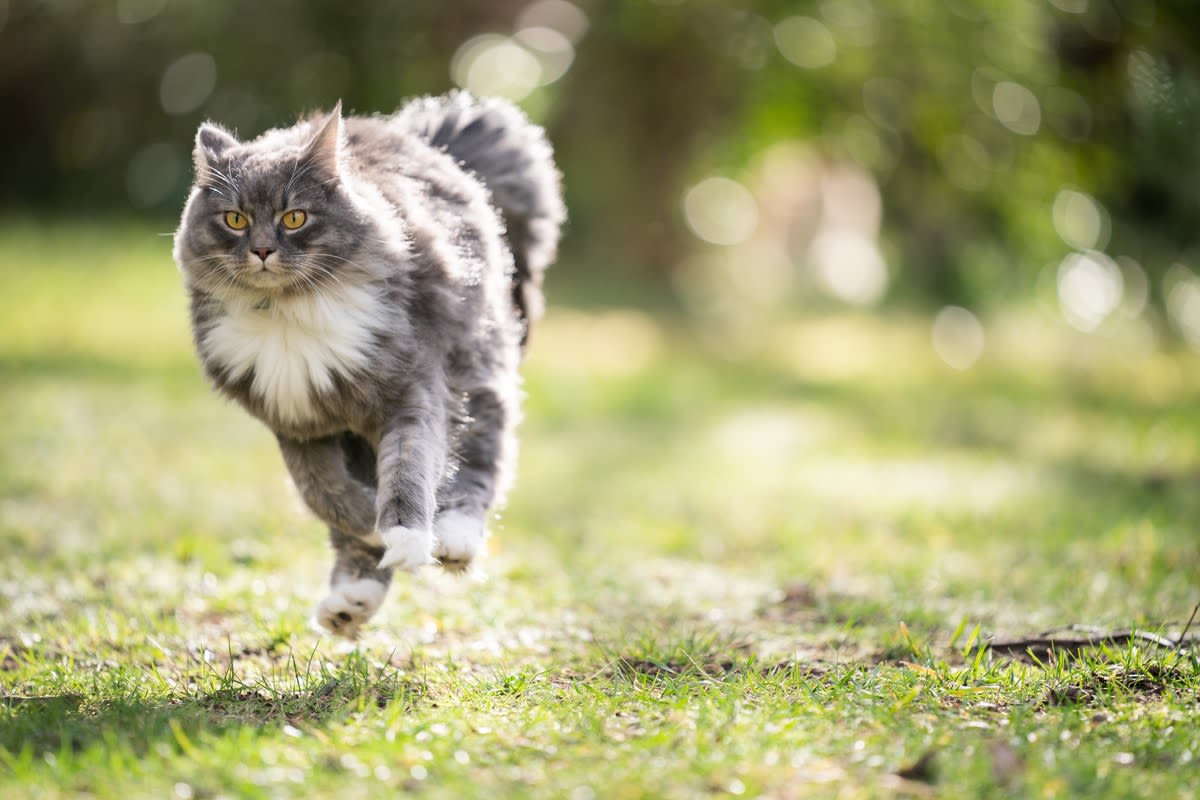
(767, 574)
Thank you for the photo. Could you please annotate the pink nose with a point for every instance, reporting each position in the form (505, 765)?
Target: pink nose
(263, 252)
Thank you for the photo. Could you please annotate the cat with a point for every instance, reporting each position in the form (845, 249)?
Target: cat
(365, 286)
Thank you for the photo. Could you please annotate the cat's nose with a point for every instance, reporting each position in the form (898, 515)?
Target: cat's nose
(263, 252)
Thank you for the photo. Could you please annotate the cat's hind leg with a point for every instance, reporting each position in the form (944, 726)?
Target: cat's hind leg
(357, 586)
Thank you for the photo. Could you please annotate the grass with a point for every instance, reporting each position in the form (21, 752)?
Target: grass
(764, 575)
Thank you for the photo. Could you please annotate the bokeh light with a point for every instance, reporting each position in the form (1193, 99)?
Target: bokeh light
(957, 337)
(557, 15)
(187, 83)
(497, 65)
(720, 211)
(1080, 220)
(853, 20)
(1183, 303)
(1137, 287)
(552, 49)
(540, 52)
(849, 266)
(1090, 287)
(850, 200)
(1016, 108)
(805, 42)
(1150, 82)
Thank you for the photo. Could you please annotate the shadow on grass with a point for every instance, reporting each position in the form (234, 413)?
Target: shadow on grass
(141, 722)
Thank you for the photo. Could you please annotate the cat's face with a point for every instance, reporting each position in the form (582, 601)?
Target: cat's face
(266, 217)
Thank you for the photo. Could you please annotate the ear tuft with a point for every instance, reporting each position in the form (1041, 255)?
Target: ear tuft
(325, 150)
(211, 141)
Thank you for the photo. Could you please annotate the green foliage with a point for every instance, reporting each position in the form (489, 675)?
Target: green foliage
(972, 116)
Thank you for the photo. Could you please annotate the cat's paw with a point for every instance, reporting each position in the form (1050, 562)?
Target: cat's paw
(406, 548)
(349, 605)
(458, 539)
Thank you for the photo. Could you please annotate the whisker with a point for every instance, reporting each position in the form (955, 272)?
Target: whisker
(212, 174)
(292, 179)
(297, 174)
(322, 275)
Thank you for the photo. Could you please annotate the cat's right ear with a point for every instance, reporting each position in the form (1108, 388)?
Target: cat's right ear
(325, 150)
(211, 141)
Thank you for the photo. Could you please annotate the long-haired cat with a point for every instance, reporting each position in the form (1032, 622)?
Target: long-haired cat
(364, 286)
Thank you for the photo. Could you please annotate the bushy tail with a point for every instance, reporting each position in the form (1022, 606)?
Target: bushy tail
(494, 140)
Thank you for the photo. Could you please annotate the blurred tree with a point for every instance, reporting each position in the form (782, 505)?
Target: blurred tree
(988, 125)
(650, 90)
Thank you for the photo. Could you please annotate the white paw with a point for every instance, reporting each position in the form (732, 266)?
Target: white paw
(406, 548)
(457, 539)
(349, 605)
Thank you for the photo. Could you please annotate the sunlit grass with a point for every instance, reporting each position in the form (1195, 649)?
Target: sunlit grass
(716, 575)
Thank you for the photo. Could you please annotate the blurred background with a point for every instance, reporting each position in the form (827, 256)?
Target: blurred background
(733, 160)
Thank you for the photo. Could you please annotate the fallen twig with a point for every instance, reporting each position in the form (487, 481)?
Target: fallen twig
(1188, 626)
(1043, 645)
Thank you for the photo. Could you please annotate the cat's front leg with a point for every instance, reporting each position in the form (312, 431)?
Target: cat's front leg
(319, 469)
(412, 459)
(484, 451)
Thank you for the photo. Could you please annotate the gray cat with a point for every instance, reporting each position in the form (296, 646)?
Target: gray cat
(365, 286)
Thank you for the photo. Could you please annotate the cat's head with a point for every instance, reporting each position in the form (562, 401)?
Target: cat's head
(271, 215)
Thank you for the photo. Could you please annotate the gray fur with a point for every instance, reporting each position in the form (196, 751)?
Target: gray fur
(412, 389)
(516, 163)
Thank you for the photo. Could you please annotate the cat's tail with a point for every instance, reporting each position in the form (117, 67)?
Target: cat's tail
(493, 139)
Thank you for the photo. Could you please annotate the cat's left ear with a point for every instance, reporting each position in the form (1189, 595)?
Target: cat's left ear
(325, 150)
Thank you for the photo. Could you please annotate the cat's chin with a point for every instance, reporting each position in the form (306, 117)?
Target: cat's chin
(268, 281)
(268, 286)
(250, 284)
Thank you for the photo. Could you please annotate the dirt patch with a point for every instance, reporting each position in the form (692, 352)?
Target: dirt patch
(633, 667)
(674, 667)
(1145, 684)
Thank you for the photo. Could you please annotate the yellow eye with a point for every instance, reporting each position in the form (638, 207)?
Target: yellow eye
(294, 219)
(236, 220)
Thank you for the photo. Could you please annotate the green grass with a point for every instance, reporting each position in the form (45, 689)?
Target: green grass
(762, 576)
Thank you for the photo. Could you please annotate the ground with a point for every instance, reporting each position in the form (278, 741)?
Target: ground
(764, 571)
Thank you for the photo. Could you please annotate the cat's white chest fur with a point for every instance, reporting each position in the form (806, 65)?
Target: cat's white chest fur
(295, 346)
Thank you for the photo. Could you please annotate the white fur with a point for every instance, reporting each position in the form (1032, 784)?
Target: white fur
(296, 345)
(359, 600)
(407, 548)
(458, 538)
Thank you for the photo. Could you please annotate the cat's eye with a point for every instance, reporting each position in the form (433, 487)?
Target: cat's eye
(236, 220)
(294, 219)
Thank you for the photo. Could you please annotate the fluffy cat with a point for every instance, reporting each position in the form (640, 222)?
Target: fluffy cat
(364, 286)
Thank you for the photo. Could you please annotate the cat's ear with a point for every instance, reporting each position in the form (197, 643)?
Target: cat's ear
(211, 141)
(325, 150)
